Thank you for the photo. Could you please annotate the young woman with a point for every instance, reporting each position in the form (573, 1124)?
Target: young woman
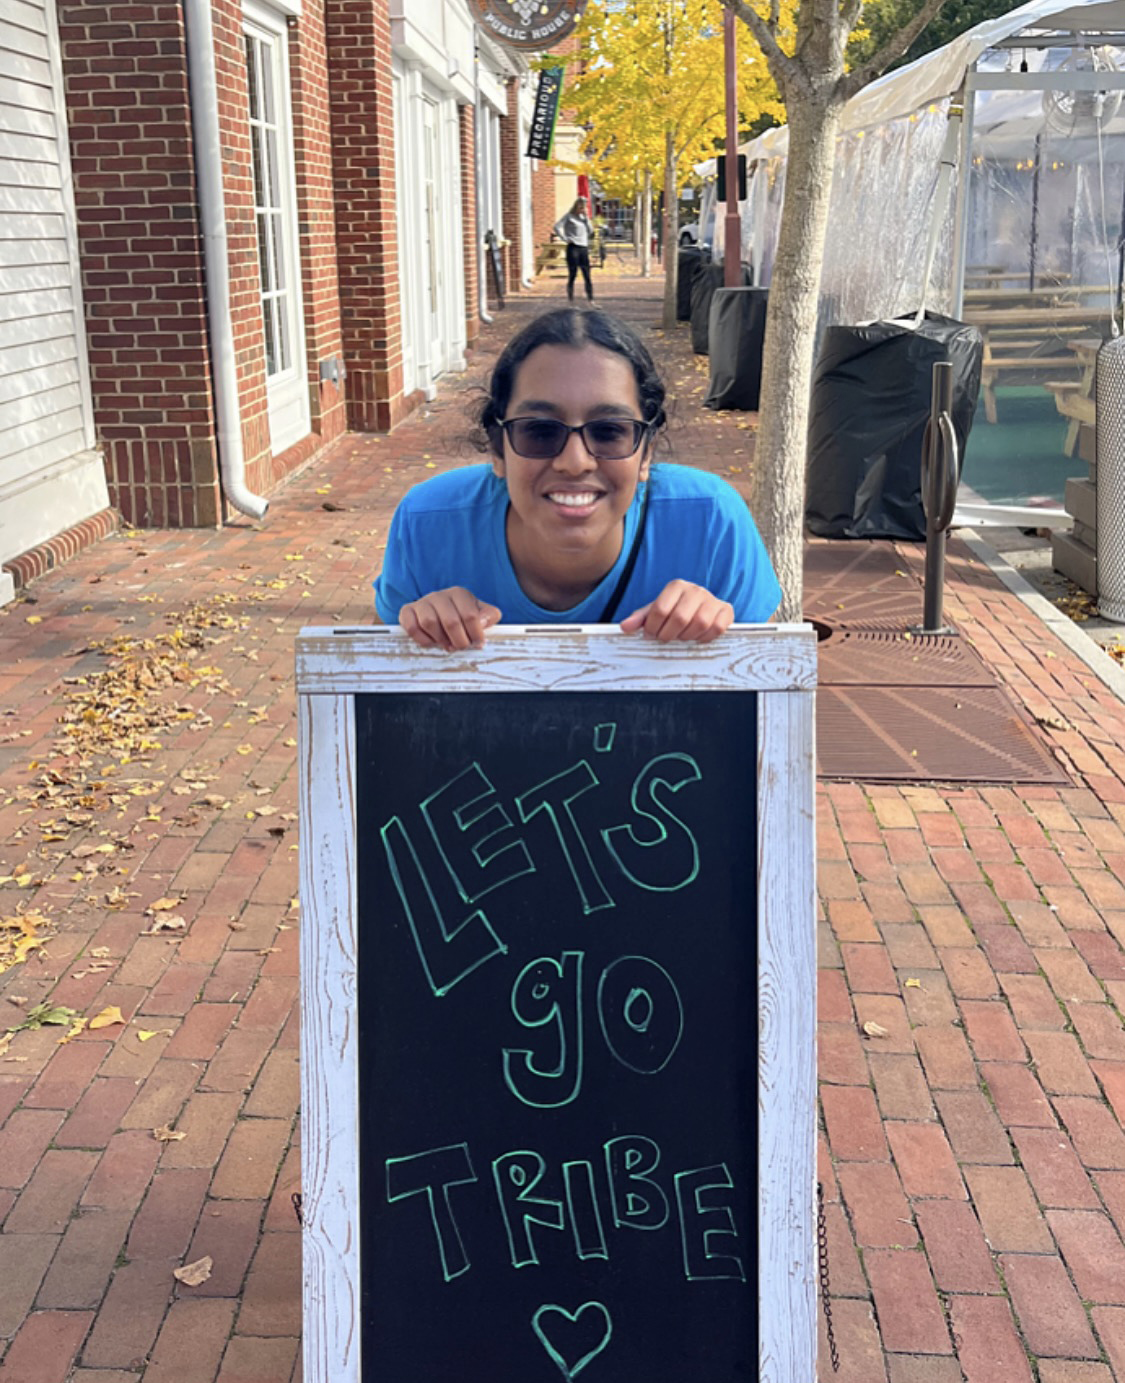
(572, 522)
(577, 230)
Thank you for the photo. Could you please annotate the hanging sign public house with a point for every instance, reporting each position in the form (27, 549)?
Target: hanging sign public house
(530, 25)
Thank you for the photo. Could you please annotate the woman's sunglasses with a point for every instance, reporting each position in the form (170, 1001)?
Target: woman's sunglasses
(606, 439)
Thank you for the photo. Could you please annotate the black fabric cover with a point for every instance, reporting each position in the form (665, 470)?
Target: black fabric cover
(687, 261)
(870, 402)
(737, 333)
(707, 278)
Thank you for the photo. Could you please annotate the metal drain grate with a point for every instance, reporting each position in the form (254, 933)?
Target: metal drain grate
(944, 734)
(898, 709)
(864, 658)
(860, 586)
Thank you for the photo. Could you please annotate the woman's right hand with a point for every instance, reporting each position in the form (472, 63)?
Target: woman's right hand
(451, 619)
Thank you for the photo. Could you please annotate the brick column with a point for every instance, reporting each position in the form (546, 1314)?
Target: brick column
(543, 214)
(363, 154)
(510, 156)
(467, 128)
(125, 78)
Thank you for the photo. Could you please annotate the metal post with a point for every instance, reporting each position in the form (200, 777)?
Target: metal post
(964, 190)
(940, 474)
(732, 222)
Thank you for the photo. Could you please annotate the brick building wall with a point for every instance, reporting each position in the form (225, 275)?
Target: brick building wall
(126, 82)
(543, 214)
(316, 215)
(510, 202)
(362, 115)
(467, 128)
(142, 271)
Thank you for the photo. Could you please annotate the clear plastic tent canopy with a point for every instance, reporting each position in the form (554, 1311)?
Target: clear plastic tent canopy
(1022, 234)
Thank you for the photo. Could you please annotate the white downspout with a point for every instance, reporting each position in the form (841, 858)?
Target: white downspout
(204, 97)
(482, 274)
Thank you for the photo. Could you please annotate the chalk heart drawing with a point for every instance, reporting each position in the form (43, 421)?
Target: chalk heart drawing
(579, 1335)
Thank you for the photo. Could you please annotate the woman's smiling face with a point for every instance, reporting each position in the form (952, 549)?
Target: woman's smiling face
(566, 517)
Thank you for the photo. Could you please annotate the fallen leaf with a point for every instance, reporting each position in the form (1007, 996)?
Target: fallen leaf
(76, 1027)
(146, 1033)
(1052, 722)
(100, 951)
(165, 924)
(107, 1018)
(913, 984)
(164, 905)
(873, 1029)
(192, 1274)
(45, 1014)
(164, 1134)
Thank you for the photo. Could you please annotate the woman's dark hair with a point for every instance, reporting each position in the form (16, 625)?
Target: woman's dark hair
(572, 326)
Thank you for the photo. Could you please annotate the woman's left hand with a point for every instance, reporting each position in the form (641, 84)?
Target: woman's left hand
(681, 612)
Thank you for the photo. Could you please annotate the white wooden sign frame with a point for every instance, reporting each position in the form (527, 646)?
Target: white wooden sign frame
(776, 661)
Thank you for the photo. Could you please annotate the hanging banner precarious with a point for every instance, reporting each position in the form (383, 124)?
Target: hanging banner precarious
(531, 25)
(542, 132)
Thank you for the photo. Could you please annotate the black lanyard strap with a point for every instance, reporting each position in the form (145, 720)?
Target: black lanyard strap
(623, 581)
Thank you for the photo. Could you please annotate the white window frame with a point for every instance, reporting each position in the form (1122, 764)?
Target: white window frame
(287, 390)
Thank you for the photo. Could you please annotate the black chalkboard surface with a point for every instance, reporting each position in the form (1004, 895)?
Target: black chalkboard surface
(557, 1056)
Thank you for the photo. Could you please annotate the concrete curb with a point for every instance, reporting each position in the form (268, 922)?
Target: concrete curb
(1096, 659)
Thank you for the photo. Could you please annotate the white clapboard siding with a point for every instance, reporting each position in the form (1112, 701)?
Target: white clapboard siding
(31, 406)
(15, 469)
(22, 120)
(14, 226)
(27, 14)
(26, 42)
(46, 417)
(53, 428)
(39, 303)
(49, 377)
(30, 199)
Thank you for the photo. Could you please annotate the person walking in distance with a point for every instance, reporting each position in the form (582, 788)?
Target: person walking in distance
(575, 228)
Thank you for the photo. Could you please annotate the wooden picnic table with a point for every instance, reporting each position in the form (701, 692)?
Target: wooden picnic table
(985, 277)
(1059, 294)
(1074, 398)
(1028, 340)
(989, 318)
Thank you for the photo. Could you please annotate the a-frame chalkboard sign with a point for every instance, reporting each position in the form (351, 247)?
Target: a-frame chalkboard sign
(558, 995)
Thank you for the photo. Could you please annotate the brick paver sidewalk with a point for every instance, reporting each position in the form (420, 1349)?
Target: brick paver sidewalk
(973, 1155)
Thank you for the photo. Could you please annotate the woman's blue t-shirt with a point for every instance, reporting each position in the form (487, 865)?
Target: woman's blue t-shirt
(449, 531)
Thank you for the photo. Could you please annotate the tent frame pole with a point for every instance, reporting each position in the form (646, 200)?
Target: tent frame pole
(962, 205)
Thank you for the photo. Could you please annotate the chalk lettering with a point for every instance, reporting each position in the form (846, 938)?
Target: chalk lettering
(658, 870)
(584, 1214)
(547, 991)
(555, 796)
(447, 953)
(489, 853)
(425, 1173)
(641, 1016)
(703, 1256)
(516, 1175)
(637, 1201)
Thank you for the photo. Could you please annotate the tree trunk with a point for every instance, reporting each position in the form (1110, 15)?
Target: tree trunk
(781, 443)
(671, 232)
(638, 228)
(646, 228)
